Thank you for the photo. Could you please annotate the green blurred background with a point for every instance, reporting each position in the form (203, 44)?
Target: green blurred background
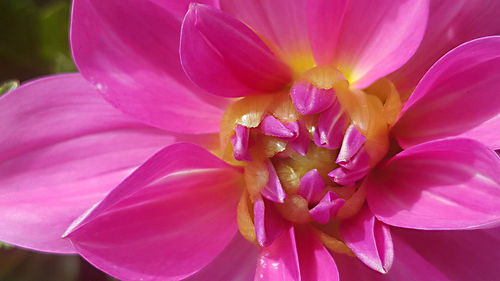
(34, 42)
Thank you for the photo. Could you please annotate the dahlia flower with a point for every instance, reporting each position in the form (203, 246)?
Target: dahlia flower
(266, 140)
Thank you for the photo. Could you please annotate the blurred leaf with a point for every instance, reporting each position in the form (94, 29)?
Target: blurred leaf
(4, 88)
(53, 30)
(4, 245)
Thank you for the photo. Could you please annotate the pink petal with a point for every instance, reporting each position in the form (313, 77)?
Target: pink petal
(312, 186)
(331, 125)
(315, 261)
(273, 127)
(240, 143)
(451, 23)
(447, 184)
(309, 99)
(236, 262)
(353, 159)
(408, 265)
(369, 239)
(225, 57)
(269, 224)
(325, 19)
(377, 37)
(179, 7)
(303, 140)
(279, 262)
(129, 51)
(485, 132)
(282, 22)
(456, 95)
(353, 141)
(327, 208)
(62, 148)
(273, 189)
(460, 255)
(166, 221)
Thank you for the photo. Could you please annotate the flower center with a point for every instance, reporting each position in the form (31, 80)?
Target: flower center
(306, 151)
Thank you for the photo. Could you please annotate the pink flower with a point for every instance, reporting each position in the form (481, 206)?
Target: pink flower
(307, 125)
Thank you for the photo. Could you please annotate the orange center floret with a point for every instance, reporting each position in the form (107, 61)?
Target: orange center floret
(371, 111)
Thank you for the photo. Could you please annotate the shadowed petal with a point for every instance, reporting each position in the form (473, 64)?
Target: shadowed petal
(282, 23)
(377, 37)
(62, 148)
(315, 261)
(457, 94)
(236, 262)
(447, 184)
(182, 201)
(369, 239)
(129, 51)
(325, 21)
(451, 23)
(279, 262)
(269, 224)
(225, 57)
(408, 265)
(476, 251)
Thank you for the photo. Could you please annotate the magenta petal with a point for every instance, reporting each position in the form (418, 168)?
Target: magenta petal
(225, 57)
(315, 261)
(167, 220)
(377, 37)
(331, 125)
(303, 140)
(369, 239)
(279, 262)
(269, 224)
(273, 127)
(309, 99)
(282, 22)
(447, 184)
(129, 51)
(327, 208)
(324, 21)
(408, 265)
(457, 94)
(460, 255)
(240, 143)
(235, 262)
(62, 148)
(312, 186)
(353, 141)
(451, 23)
(273, 189)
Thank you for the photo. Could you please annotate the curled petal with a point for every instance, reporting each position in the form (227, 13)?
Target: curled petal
(182, 200)
(280, 261)
(369, 239)
(447, 184)
(269, 224)
(312, 186)
(240, 143)
(331, 126)
(327, 208)
(315, 261)
(458, 94)
(309, 99)
(225, 57)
